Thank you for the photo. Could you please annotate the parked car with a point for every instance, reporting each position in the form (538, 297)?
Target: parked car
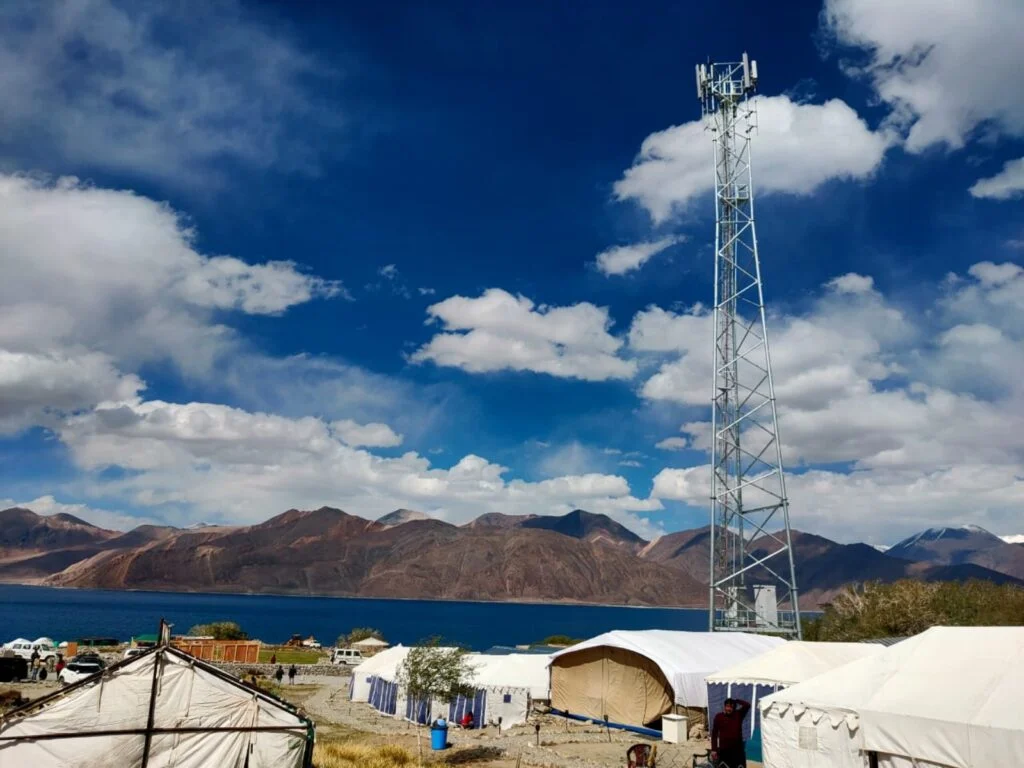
(13, 668)
(349, 656)
(80, 668)
(133, 652)
(24, 648)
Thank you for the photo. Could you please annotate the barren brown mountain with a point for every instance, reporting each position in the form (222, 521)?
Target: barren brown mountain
(966, 545)
(330, 552)
(578, 557)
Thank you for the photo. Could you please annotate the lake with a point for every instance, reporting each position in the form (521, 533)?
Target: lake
(67, 614)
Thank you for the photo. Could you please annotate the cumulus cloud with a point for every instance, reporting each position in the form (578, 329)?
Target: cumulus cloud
(373, 435)
(501, 332)
(798, 148)
(923, 56)
(1005, 185)
(628, 258)
(891, 420)
(673, 444)
(223, 463)
(156, 90)
(98, 283)
(36, 387)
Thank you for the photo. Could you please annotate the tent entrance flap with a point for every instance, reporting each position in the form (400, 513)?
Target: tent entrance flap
(613, 683)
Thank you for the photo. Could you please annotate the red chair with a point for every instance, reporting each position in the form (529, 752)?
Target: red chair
(640, 756)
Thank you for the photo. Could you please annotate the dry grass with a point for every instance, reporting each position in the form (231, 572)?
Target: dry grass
(348, 754)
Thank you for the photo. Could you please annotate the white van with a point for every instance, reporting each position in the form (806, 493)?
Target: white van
(24, 649)
(347, 656)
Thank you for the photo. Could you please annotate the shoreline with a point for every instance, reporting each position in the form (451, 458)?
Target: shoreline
(226, 593)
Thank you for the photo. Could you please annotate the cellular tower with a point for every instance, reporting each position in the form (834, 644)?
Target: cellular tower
(753, 581)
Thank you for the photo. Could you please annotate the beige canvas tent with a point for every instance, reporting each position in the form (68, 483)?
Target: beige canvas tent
(633, 678)
(160, 709)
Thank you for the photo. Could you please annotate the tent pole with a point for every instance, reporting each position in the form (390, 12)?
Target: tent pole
(157, 657)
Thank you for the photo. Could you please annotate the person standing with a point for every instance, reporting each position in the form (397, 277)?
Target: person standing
(273, 658)
(727, 748)
(292, 672)
(279, 674)
(34, 664)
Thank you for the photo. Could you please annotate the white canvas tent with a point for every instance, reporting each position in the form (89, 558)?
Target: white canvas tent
(160, 709)
(385, 662)
(781, 667)
(634, 677)
(947, 697)
(506, 685)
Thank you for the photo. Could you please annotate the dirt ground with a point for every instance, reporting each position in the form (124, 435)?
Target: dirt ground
(562, 744)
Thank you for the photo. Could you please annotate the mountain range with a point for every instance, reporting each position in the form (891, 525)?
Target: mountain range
(577, 557)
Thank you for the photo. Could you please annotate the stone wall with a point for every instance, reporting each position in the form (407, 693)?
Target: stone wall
(304, 670)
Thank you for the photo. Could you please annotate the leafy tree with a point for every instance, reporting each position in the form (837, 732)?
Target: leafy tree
(220, 630)
(908, 607)
(431, 672)
(357, 634)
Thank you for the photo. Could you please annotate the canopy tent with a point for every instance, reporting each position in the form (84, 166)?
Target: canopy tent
(362, 675)
(159, 709)
(782, 666)
(947, 697)
(634, 677)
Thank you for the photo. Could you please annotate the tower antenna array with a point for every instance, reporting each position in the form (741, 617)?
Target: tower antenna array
(753, 580)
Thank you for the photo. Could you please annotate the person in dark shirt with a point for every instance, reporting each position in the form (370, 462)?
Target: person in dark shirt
(727, 748)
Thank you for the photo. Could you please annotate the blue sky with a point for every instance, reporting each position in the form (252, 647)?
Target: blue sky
(267, 255)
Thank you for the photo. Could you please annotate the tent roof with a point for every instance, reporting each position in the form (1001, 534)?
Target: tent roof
(200, 716)
(512, 670)
(950, 695)
(794, 662)
(685, 658)
(384, 663)
(370, 642)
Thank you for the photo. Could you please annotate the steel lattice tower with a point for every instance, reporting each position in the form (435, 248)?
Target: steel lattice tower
(753, 582)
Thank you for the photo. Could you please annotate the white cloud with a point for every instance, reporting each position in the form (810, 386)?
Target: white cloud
(156, 90)
(426, 291)
(628, 258)
(388, 271)
(797, 149)
(947, 68)
(98, 283)
(630, 463)
(922, 412)
(373, 435)
(498, 331)
(852, 283)
(1006, 184)
(227, 464)
(32, 386)
(673, 444)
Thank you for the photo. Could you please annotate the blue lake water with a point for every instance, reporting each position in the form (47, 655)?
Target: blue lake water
(67, 614)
